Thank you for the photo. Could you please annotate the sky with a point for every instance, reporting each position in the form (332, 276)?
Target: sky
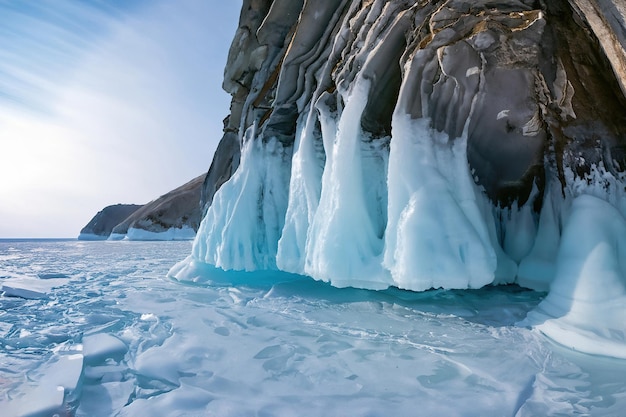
(105, 102)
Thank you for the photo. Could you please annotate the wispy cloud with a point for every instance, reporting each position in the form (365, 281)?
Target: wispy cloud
(101, 104)
(41, 41)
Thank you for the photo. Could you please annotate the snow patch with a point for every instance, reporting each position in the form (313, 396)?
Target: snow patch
(472, 71)
(503, 114)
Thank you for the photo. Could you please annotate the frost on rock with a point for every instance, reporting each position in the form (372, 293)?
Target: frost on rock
(425, 145)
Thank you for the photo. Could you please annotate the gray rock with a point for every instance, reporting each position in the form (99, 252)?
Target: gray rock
(176, 209)
(225, 162)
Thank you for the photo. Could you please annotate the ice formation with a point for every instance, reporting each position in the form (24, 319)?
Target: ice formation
(586, 306)
(423, 145)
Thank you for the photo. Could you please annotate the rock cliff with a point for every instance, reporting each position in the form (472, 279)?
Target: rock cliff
(427, 144)
(173, 216)
(101, 225)
(544, 78)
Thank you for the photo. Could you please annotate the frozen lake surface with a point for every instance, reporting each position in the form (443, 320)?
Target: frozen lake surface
(97, 329)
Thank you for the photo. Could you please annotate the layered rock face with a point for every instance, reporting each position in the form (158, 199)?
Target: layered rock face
(427, 144)
(527, 58)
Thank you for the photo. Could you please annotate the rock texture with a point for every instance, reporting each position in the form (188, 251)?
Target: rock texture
(607, 20)
(102, 224)
(543, 80)
(535, 89)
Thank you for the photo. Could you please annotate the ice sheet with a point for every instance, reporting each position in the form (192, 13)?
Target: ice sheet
(233, 344)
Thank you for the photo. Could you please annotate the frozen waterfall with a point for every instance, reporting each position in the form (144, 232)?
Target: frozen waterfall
(425, 225)
(422, 147)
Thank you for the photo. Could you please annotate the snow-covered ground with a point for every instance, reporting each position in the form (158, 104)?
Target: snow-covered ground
(105, 333)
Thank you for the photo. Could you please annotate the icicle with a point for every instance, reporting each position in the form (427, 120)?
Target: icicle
(436, 235)
(343, 245)
(304, 195)
(241, 228)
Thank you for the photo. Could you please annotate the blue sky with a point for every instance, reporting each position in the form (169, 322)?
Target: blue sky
(105, 102)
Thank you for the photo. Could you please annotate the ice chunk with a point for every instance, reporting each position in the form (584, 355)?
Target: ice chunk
(51, 275)
(585, 307)
(101, 346)
(30, 287)
(66, 372)
(42, 402)
(185, 400)
(57, 389)
(5, 328)
(106, 399)
(160, 364)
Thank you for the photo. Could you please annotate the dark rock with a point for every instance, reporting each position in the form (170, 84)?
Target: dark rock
(225, 162)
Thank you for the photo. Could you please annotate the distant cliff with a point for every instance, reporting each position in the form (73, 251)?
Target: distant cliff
(102, 224)
(173, 216)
